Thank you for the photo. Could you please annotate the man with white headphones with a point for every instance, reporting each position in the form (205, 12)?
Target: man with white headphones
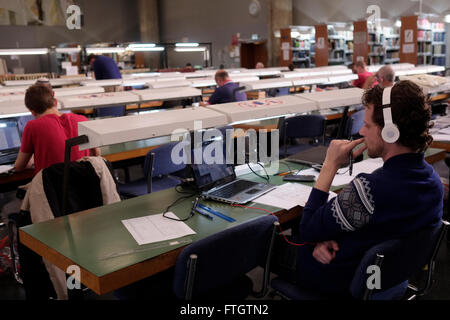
(401, 197)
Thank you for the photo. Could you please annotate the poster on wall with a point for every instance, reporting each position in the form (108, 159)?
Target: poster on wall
(33, 12)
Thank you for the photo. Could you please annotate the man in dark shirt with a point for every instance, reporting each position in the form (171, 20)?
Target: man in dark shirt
(106, 68)
(396, 200)
(225, 90)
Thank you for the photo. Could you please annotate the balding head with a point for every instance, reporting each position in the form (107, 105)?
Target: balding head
(221, 77)
(386, 76)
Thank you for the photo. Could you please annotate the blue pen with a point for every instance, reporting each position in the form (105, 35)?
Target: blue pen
(206, 215)
(214, 212)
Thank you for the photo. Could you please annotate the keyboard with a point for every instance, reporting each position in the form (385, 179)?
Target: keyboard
(8, 157)
(233, 188)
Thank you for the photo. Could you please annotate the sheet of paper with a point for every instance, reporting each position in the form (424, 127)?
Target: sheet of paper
(155, 228)
(5, 168)
(444, 131)
(288, 196)
(365, 166)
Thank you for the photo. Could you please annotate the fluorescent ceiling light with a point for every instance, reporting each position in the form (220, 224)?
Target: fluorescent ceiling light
(186, 44)
(447, 18)
(140, 49)
(16, 52)
(68, 50)
(190, 49)
(105, 50)
(141, 45)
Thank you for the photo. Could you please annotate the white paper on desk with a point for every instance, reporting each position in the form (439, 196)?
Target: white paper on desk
(365, 166)
(5, 168)
(288, 196)
(155, 228)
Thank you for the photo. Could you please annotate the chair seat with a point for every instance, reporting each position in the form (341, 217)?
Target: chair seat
(139, 187)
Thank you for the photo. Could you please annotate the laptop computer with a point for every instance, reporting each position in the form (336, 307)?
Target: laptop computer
(312, 156)
(219, 182)
(9, 142)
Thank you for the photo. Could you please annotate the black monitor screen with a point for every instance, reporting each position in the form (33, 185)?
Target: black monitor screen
(208, 175)
(9, 135)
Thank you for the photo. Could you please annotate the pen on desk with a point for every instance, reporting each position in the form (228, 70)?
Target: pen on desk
(216, 213)
(206, 215)
(284, 173)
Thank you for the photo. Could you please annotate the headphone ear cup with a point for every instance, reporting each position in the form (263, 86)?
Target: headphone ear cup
(390, 133)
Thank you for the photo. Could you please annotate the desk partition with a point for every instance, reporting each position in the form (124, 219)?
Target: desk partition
(334, 98)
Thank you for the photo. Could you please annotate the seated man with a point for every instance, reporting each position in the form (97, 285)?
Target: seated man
(259, 65)
(359, 68)
(45, 137)
(385, 77)
(401, 197)
(224, 92)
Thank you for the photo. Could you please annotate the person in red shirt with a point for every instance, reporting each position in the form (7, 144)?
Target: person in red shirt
(360, 69)
(45, 136)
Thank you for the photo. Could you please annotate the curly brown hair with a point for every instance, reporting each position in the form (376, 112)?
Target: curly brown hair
(410, 112)
(39, 98)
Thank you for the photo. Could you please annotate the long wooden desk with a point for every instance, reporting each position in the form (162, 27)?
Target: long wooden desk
(97, 241)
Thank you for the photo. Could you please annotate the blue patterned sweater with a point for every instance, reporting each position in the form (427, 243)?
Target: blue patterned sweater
(395, 200)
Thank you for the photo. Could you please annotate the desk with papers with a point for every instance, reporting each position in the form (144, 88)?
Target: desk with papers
(108, 255)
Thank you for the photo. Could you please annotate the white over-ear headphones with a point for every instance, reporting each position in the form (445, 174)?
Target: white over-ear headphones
(390, 132)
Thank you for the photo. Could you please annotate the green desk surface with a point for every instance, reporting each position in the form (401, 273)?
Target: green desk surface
(89, 237)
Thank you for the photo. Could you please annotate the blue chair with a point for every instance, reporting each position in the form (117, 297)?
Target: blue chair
(215, 267)
(110, 111)
(302, 126)
(158, 167)
(398, 260)
(354, 123)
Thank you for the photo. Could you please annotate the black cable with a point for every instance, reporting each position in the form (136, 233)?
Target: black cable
(175, 202)
(265, 178)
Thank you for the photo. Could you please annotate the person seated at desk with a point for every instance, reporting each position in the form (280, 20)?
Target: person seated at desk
(188, 68)
(398, 199)
(359, 68)
(224, 92)
(385, 77)
(45, 137)
(259, 65)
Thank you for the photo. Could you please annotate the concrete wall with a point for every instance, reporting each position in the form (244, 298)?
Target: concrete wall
(210, 21)
(104, 21)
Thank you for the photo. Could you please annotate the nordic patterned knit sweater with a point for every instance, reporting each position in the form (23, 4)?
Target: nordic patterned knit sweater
(395, 200)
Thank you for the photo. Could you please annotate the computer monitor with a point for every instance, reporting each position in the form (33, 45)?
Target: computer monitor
(9, 136)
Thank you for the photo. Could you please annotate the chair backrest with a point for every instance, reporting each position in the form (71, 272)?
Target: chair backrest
(162, 160)
(110, 111)
(402, 258)
(304, 126)
(354, 124)
(224, 256)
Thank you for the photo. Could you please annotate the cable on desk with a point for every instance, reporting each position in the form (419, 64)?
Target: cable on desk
(267, 178)
(174, 203)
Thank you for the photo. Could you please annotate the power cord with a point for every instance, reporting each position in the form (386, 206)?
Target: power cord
(267, 178)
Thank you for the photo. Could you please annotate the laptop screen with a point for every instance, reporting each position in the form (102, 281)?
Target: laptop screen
(207, 176)
(9, 136)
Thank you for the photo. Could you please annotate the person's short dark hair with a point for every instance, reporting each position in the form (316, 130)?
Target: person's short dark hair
(222, 66)
(291, 67)
(90, 57)
(410, 112)
(188, 64)
(39, 98)
(221, 74)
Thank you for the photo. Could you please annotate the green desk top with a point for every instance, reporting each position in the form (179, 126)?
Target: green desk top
(88, 237)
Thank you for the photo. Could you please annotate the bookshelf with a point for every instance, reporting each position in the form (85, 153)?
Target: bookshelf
(424, 40)
(376, 44)
(302, 47)
(438, 41)
(340, 44)
(391, 45)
